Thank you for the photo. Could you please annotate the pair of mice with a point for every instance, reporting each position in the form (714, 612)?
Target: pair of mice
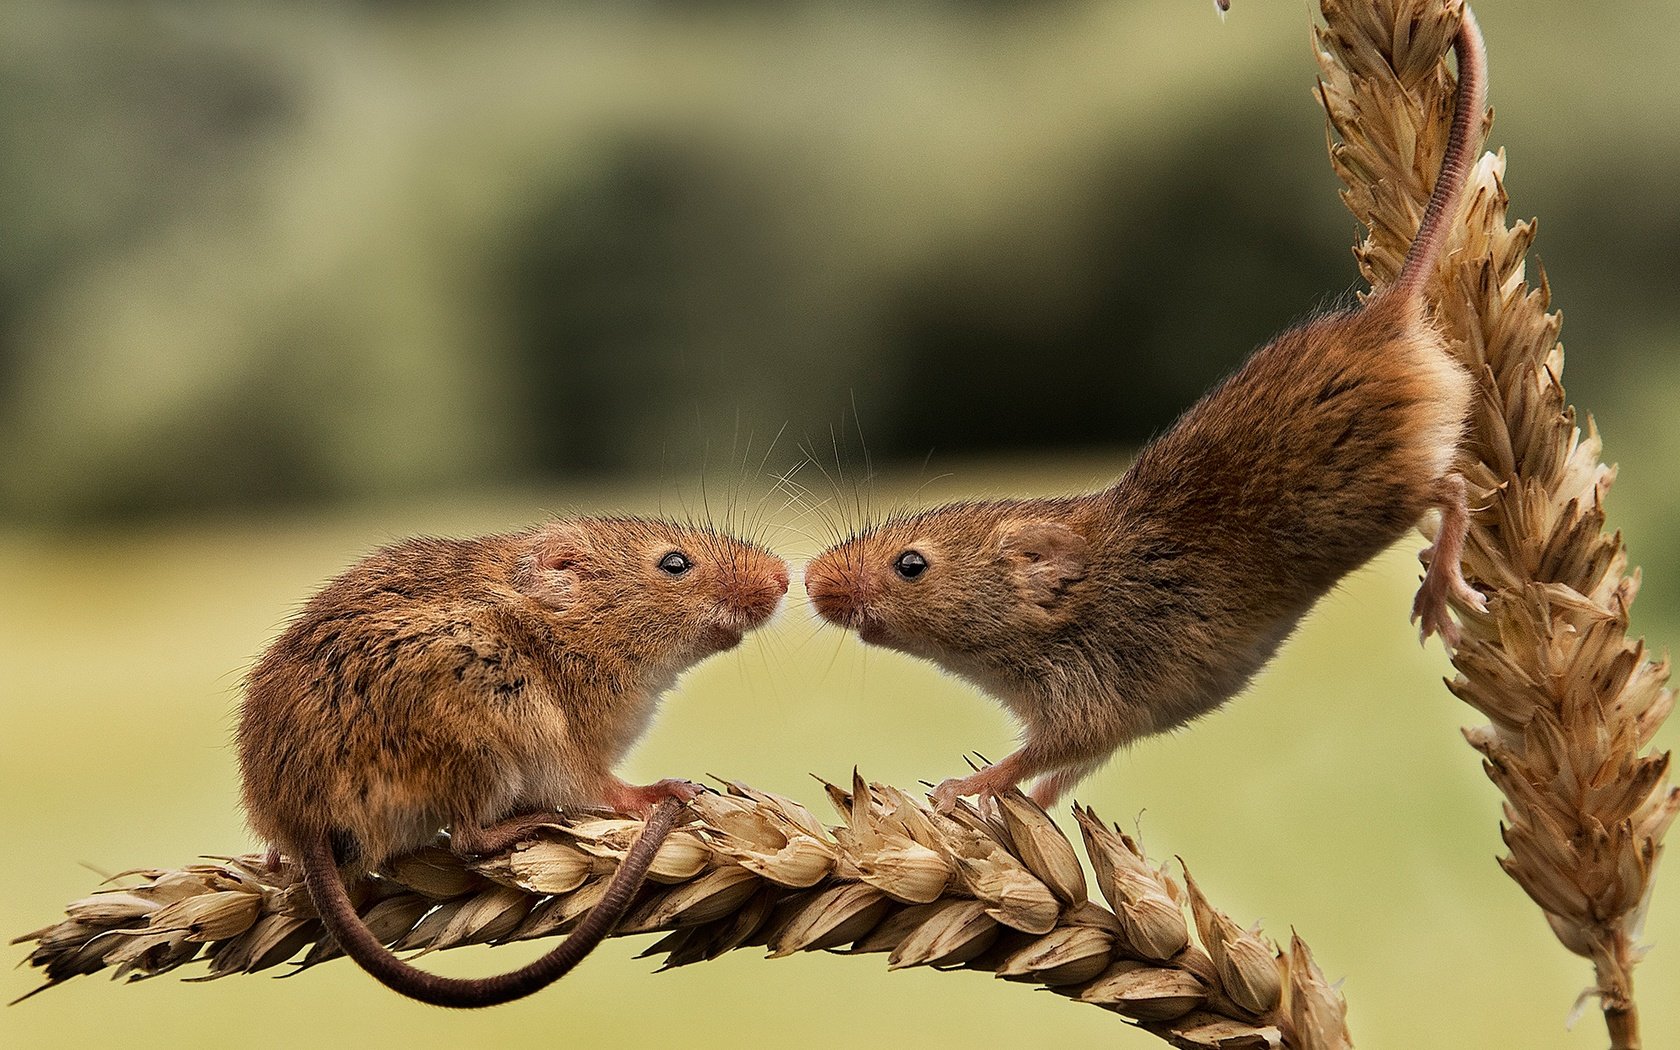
(479, 684)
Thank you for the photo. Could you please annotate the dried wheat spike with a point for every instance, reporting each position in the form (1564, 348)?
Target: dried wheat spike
(1572, 702)
(1004, 894)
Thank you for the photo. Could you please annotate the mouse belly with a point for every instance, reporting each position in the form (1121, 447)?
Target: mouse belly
(381, 785)
(1224, 672)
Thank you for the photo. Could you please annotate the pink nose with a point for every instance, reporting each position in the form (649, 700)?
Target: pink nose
(781, 577)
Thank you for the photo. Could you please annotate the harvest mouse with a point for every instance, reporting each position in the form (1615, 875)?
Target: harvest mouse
(479, 684)
(1101, 618)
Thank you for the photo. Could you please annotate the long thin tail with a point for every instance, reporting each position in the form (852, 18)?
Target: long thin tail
(1455, 163)
(327, 890)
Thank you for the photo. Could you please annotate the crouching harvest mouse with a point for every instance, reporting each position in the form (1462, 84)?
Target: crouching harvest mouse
(477, 685)
(1101, 618)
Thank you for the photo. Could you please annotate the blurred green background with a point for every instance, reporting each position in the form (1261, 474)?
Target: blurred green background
(278, 284)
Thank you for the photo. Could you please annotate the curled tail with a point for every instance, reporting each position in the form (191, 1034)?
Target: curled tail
(327, 890)
(1455, 163)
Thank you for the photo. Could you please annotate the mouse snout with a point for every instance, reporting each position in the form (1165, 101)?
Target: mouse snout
(753, 593)
(833, 592)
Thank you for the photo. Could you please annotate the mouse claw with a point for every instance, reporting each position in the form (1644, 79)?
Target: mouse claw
(1471, 596)
(1429, 612)
(1443, 580)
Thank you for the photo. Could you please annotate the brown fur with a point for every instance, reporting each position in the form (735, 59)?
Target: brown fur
(479, 684)
(458, 682)
(1101, 618)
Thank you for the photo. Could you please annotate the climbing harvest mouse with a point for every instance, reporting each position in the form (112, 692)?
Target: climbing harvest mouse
(477, 685)
(1101, 618)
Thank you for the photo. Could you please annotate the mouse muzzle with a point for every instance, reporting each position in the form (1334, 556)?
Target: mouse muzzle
(751, 594)
(836, 592)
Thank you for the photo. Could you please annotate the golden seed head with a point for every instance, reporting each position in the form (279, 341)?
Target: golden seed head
(1315, 1008)
(904, 869)
(1154, 926)
(432, 871)
(708, 897)
(543, 866)
(1249, 972)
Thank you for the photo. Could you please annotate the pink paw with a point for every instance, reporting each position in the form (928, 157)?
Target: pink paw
(673, 787)
(984, 786)
(638, 801)
(946, 794)
(1430, 608)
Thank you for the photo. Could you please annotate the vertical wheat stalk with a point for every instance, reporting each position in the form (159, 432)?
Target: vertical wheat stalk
(1572, 703)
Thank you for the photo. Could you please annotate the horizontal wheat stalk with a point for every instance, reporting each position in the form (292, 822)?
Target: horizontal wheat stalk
(1004, 894)
(1572, 703)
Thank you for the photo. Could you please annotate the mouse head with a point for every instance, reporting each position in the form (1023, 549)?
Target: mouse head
(956, 582)
(659, 588)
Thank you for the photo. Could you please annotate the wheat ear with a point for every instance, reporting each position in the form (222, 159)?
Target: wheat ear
(1572, 703)
(1004, 894)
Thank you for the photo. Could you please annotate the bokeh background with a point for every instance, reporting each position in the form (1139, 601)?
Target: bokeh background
(281, 282)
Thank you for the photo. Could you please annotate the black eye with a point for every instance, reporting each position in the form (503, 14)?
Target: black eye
(675, 563)
(910, 565)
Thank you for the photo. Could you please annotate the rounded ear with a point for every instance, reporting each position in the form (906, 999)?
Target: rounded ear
(1045, 557)
(562, 546)
(556, 563)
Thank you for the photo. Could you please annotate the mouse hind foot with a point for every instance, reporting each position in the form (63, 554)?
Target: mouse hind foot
(467, 839)
(1443, 579)
(639, 800)
(985, 784)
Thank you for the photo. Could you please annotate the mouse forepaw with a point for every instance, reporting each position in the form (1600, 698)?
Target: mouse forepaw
(677, 788)
(1435, 621)
(985, 786)
(946, 794)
